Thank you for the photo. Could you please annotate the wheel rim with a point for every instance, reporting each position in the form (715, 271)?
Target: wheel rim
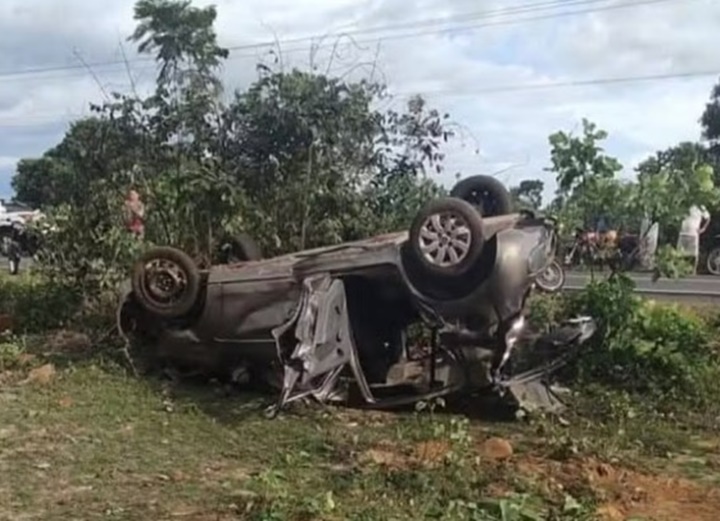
(551, 276)
(713, 262)
(165, 281)
(445, 239)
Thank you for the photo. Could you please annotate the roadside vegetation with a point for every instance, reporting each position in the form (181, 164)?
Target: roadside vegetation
(302, 159)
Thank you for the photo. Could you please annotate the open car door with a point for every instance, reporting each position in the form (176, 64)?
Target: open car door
(315, 345)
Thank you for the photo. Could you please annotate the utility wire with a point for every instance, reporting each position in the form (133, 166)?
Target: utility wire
(518, 87)
(570, 83)
(519, 9)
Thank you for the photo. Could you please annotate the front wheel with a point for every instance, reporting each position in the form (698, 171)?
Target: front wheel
(713, 261)
(552, 278)
(446, 237)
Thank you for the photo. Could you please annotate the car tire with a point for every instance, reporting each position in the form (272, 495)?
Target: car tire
(453, 249)
(150, 298)
(485, 193)
(240, 248)
(712, 261)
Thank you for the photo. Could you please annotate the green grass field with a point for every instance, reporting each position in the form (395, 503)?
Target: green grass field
(82, 438)
(89, 441)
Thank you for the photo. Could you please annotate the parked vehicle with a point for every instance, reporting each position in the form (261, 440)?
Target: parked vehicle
(601, 250)
(552, 278)
(15, 239)
(326, 322)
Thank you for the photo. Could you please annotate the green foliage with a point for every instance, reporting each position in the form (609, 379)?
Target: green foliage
(11, 349)
(641, 346)
(580, 161)
(179, 35)
(585, 174)
(710, 120)
(672, 181)
(528, 194)
(297, 160)
(36, 304)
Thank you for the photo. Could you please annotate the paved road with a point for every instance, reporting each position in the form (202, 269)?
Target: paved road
(698, 288)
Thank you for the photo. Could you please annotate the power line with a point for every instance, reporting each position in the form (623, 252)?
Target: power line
(520, 9)
(571, 83)
(455, 92)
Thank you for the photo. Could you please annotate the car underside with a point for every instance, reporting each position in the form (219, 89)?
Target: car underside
(388, 320)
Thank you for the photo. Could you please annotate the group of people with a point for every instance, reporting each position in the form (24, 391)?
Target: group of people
(692, 227)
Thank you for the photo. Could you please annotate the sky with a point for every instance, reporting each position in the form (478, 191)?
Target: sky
(508, 72)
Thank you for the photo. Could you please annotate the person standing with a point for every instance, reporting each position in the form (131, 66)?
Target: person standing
(694, 224)
(134, 214)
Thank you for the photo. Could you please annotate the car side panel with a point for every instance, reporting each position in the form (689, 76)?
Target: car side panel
(251, 309)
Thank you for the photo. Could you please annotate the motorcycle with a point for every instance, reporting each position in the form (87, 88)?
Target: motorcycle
(552, 278)
(712, 263)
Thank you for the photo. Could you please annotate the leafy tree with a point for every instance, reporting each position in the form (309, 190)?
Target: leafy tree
(585, 175)
(710, 119)
(297, 160)
(673, 180)
(90, 150)
(528, 193)
(578, 161)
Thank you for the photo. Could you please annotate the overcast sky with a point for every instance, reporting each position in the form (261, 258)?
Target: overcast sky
(481, 65)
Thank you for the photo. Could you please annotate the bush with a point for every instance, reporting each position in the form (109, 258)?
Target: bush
(641, 346)
(37, 304)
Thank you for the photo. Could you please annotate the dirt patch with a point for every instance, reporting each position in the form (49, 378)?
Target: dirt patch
(625, 493)
(431, 452)
(424, 454)
(496, 449)
(385, 458)
(42, 375)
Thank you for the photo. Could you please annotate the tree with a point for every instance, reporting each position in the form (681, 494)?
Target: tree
(673, 180)
(298, 159)
(89, 151)
(585, 175)
(528, 193)
(710, 119)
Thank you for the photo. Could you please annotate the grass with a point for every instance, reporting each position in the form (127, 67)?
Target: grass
(86, 440)
(96, 443)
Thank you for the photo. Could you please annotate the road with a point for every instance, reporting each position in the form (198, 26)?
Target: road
(700, 288)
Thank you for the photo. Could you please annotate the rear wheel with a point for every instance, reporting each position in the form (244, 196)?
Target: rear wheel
(485, 193)
(166, 282)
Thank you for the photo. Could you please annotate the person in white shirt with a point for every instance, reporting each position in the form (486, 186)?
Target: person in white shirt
(694, 224)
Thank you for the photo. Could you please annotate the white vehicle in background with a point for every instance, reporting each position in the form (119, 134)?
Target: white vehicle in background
(14, 218)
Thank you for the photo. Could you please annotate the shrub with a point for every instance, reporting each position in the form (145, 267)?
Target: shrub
(37, 304)
(641, 346)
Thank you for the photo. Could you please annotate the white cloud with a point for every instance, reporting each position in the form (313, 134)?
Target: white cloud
(7, 161)
(456, 71)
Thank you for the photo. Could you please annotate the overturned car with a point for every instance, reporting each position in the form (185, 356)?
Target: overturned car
(341, 322)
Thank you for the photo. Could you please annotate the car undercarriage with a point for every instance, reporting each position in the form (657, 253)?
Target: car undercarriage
(386, 321)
